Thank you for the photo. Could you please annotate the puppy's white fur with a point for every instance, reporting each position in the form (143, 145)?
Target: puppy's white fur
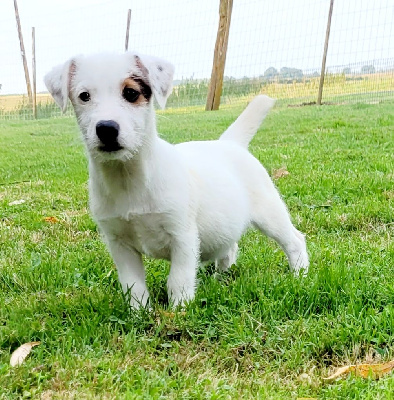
(186, 203)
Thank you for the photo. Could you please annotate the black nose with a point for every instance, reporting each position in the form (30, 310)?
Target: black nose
(107, 132)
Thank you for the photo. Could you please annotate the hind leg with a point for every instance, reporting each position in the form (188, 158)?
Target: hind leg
(271, 217)
(223, 264)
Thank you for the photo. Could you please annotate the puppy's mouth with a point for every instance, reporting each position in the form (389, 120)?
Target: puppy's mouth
(110, 147)
(111, 152)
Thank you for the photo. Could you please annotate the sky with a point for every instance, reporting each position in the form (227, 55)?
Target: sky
(263, 34)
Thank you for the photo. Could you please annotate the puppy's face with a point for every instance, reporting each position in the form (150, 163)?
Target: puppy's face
(112, 96)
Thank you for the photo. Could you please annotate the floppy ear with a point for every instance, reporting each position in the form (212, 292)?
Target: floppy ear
(57, 82)
(159, 74)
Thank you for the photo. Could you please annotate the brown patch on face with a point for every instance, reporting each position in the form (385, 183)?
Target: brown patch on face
(72, 69)
(141, 66)
(140, 86)
(71, 73)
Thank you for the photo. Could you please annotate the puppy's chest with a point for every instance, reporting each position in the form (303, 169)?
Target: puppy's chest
(146, 233)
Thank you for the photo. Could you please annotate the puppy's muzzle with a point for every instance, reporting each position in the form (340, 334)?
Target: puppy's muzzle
(108, 132)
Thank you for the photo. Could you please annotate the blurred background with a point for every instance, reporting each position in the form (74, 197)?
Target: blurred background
(274, 47)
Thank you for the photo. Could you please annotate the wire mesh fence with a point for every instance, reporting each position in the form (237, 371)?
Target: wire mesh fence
(274, 48)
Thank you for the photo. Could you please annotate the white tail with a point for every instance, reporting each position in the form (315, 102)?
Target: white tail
(245, 126)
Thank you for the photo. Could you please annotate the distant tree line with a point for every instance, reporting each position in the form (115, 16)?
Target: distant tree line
(365, 69)
(287, 75)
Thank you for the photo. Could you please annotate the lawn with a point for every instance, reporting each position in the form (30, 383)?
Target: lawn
(255, 333)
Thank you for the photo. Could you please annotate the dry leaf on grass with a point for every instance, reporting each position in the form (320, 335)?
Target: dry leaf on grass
(52, 220)
(20, 354)
(305, 378)
(280, 173)
(374, 371)
(17, 202)
(306, 398)
(171, 314)
(168, 314)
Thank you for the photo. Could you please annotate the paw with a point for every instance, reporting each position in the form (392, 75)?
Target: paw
(138, 302)
(181, 298)
(300, 267)
(223, 264)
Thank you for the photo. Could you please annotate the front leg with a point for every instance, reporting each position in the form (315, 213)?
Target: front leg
(131, 271)
(184, 263)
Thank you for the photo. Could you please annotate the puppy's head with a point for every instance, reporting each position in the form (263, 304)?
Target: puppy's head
(112, 95)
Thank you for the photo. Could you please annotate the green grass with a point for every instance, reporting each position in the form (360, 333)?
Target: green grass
(251, 334)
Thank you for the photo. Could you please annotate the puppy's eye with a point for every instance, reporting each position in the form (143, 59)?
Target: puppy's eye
(130, 95)
(84, 96)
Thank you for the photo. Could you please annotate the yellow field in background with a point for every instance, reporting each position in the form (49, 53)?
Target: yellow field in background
(12, 102)
(334, 85)
(359, 88)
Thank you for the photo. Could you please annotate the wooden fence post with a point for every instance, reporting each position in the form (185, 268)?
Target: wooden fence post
(23, 54)
(126, 45)
(323, 64)
(219, 58)
(33, 64)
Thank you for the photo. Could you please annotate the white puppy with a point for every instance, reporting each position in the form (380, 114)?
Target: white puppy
(186, 203)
